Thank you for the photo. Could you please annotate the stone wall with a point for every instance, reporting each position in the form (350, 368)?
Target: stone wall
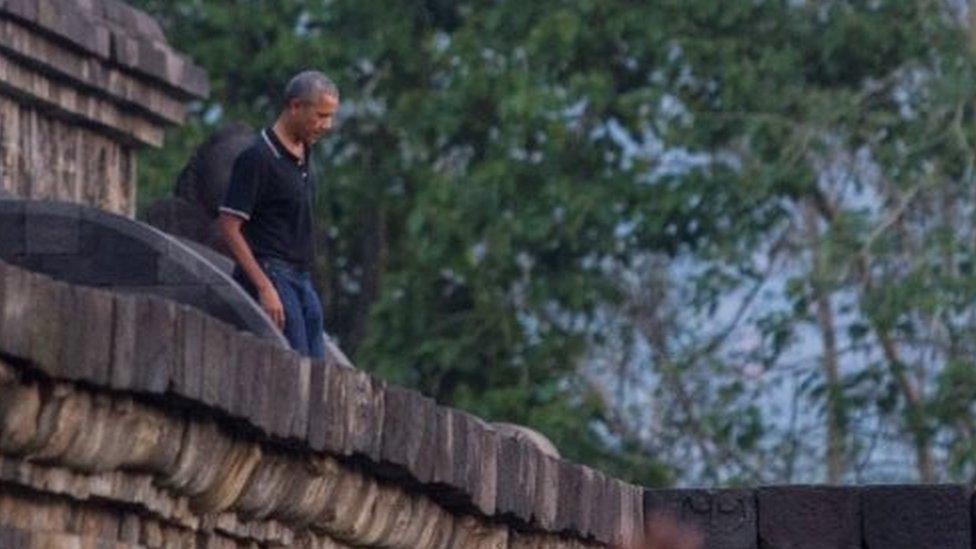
(126, 404)
(85, 245)
(83, 86)
(825, 517)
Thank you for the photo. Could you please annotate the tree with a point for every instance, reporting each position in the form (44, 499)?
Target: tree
(567, 214)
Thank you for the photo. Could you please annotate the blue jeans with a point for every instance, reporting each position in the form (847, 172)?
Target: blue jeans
(304, 323)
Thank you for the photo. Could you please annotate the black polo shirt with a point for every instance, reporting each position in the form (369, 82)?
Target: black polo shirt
(273, 191)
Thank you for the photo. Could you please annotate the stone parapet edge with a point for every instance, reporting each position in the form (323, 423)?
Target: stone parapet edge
(28, 86)
(117, 33)
(189, 474)
(88, 72)
(149, 346)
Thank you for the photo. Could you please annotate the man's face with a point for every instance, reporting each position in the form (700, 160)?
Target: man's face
(313, 119)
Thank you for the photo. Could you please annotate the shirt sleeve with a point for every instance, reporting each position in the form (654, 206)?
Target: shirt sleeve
(244, 187)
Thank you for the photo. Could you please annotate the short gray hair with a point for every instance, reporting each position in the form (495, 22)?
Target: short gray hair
(307, 85)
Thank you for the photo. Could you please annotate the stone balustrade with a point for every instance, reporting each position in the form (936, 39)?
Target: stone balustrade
(218, 426)
(83, 86)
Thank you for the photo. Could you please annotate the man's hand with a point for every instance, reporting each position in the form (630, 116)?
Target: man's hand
(271, 303)
(230, 230)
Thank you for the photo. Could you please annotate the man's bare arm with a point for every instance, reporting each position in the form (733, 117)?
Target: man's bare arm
(230, 227)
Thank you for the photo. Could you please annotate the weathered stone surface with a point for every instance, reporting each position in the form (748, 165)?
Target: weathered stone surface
(446, 449)
(221, 473)
(246, 347)
(52, 227)
(219, 364)
(62, 17)
(896, 517)
(119, 234)
(19, 410)
(78, 68)
(156, 352)
(259, 372)
(177, 268)
(318, 404)
(46, 327)
(475, 468)
(568, 510)
(602, 515)
(527, 434)
(546, 500)
(187, 377)
(25, 9)
(299, 418)
(484, 491)
(364, 405)
(66, 101)
(809, 517)
(15, 310)
(86, 166)
(123, 341)
(287, 408)
(726, 517)
(203, 181)
(513, 495)
(12, 227)
(106, 29)
(632, 516)
(86, 351)
(115, 251)
(180, 217)
(588, 494)
(111, 269)
(406, 417)
(331, 426)
(236, 471)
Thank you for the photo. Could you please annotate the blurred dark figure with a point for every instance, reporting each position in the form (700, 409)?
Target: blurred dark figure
(664, 531)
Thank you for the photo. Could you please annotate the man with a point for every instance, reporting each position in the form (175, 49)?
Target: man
(266, 217)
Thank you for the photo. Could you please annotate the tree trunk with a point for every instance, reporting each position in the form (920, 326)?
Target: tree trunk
(836, 430)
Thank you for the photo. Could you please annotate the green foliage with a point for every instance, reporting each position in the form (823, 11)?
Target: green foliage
(502, 170)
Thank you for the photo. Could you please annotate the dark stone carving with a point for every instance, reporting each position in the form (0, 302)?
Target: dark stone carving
(903, 517)
(88, 246)
(204, 179)
(200, 188)
(809, 517)
(180, 217)
(726, 517)
(112, 30)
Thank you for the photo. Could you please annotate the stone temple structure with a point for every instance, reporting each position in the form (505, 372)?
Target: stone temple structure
(146, 402)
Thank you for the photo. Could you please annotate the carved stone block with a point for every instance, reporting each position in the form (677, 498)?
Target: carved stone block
(364, 405)
(809, 517)
(123, 341)
(284, 402)
(52, 227)
(156, 350)
(187, 376)
(403, 422)
(727, 518)
(546, 500)
(445, 447)
(257, 372)
(12, 227)
(318, 398)
(46, 326)
(900, 517)
(86, 352)
(15, 306)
